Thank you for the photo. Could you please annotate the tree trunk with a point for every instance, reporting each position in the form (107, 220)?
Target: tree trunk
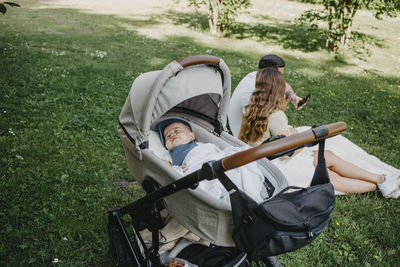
(341, 15)
(332, 25)
(346, 36)
(341, 29)
(340, 32)
(352, 13)
(213, 16)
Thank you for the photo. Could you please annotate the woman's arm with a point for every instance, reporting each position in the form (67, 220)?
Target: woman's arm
(291, 95)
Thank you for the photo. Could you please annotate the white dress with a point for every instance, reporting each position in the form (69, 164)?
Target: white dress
(299, 169)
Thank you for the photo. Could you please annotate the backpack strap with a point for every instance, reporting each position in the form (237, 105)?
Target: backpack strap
(222, 177)
(321, 175)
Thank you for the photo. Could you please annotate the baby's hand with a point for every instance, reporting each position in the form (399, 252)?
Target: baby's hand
(183, 167)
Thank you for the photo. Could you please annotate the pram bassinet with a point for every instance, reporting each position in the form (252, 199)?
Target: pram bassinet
(196, 89)
(200, 94)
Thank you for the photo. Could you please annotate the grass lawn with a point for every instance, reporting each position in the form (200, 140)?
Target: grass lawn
(66, 69)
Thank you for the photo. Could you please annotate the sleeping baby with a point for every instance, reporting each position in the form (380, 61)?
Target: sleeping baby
(188, 156)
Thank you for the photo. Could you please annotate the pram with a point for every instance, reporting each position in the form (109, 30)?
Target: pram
(196, 89)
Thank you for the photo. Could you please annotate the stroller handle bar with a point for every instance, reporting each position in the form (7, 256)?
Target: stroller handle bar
(199, 59)
(312, 135)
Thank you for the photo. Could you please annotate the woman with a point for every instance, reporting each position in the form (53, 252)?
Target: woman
(264, 117)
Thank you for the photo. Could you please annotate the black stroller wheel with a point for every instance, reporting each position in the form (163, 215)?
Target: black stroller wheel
(118, 252)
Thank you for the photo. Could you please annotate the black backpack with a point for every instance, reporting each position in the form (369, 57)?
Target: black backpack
(286, 222)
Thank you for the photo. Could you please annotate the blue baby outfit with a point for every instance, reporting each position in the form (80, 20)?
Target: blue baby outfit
(179, 153)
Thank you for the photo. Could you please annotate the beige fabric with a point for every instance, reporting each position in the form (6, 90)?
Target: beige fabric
(170, 234)
(277, 124)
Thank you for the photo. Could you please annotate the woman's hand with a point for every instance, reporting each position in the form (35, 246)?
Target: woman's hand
(295, 99)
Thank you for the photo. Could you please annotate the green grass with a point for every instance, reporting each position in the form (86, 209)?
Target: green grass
(62, 160)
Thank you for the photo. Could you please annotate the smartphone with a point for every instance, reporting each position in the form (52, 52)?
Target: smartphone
(304, 100)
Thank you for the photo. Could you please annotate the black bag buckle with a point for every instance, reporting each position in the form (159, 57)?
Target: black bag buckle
(248, 219)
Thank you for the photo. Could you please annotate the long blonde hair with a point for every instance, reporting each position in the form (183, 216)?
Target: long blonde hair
(268, 97)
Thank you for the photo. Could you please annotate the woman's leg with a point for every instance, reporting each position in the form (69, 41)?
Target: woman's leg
(350, 185)
(348, 170)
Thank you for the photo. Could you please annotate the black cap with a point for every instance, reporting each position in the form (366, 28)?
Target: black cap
(270, 60)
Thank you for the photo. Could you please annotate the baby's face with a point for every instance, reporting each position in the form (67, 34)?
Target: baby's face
(177, 134)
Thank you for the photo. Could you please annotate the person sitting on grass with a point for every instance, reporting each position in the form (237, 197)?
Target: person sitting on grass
(188, 156)
(265, 117)
(242, 93)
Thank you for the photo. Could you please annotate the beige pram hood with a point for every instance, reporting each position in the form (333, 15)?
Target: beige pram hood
(154, 93)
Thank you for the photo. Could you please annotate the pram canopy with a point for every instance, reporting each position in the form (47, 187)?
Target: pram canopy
(202, 86)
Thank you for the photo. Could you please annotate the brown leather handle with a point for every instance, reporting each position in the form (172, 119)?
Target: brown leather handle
(199, 59)
(268, 149)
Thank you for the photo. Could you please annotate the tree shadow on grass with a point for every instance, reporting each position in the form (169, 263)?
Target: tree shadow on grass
(301, 37)
(288, 34)
(194, 20)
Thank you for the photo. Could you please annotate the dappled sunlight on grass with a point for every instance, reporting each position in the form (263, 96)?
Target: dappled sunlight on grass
(268, 27)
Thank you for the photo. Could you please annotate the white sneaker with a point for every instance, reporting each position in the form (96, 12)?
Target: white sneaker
(396, 195)
(390, 187)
